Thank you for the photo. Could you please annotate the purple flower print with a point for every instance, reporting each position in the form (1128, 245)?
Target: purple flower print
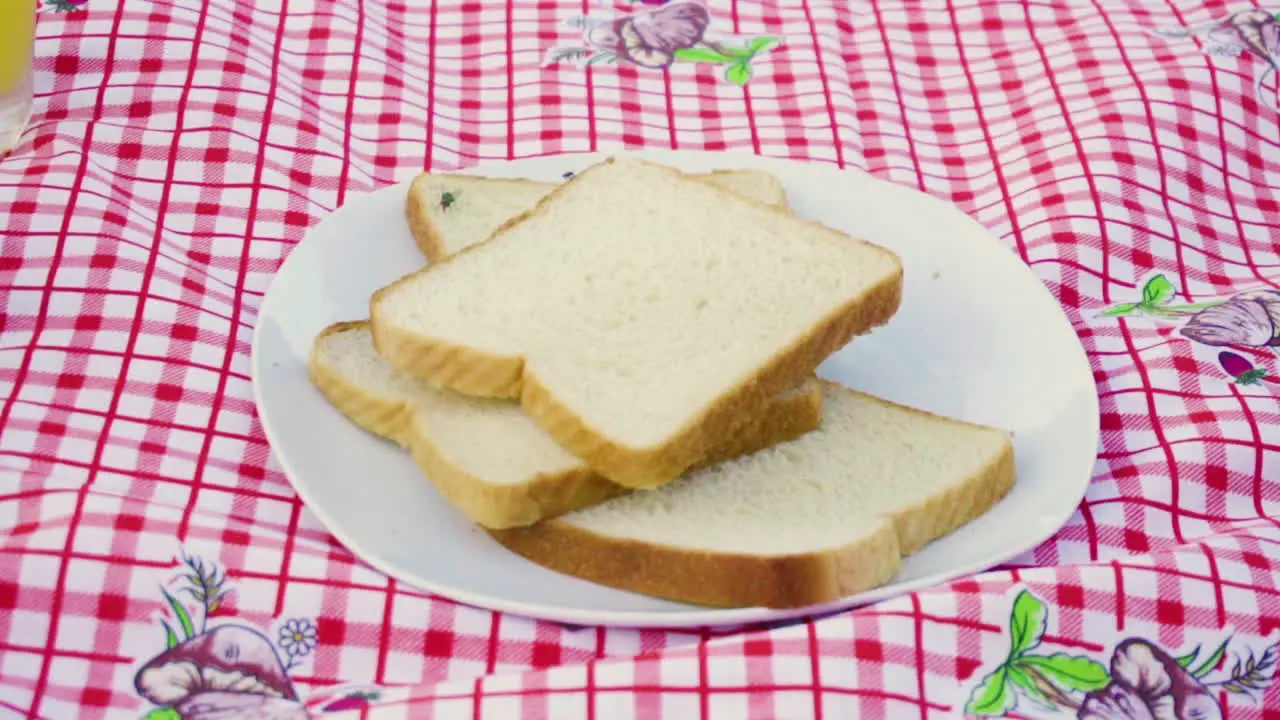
(650, 38)
(1242, 371)
(231, 672)
(228, 673)
(1253, 30)
(658, 34)
(676, 26)
(1148, 684)
(1250, 319)
(1143, 681)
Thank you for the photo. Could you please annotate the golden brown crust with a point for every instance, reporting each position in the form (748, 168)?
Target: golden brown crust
(446, 365)
(652, 467)
(515, 505)
(780, 203)
(787, 418)
(961, 503)
(477, 373)
(948, 511)
(544, 496)
(425, 234)
(384, 416)
(430, 240)
(735, 580)
(547, 496)
(703, 577)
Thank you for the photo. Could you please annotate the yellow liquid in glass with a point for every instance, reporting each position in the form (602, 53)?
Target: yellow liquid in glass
(17, 29)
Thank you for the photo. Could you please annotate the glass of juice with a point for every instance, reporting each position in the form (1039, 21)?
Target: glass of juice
(17, 41)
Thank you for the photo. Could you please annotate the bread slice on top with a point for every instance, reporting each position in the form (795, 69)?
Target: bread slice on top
(477, 206)
(827, 515)
(639, 315)
(487, 457)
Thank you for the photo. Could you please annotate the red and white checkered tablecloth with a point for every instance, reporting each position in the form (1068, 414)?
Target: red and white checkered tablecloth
(1129, 150)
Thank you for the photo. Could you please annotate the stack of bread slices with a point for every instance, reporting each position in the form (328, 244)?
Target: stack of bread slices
(614, 376)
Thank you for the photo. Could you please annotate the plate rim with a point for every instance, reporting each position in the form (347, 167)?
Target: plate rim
(689, 615)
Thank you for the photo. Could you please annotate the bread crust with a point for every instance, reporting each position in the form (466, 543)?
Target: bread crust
(708, 578)
(385, 416)
(425, 234)
(419, 203)
(430, 240)
(447, 365)
(548, 495)
(482, 374)
(785, 581)
(544, 496)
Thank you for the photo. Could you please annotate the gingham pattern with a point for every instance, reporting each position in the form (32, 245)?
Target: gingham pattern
(180, 148)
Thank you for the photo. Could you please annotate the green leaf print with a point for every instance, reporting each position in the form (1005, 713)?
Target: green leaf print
(760, 44)
(1121, 309)
(1026, 624)
(1072, 671)
(1158, 291)
(739, 74)
(170, 637)
(1023, 679)
(993, 697)
(184, 618)
(706, 55)
(1211, 662)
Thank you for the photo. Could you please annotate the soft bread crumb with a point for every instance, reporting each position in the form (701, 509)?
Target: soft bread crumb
(480, 205)
(829, 514)
(641, 304)
(488, 457)
(868, 459)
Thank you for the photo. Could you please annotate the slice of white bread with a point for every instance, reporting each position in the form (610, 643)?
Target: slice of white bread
(824, 516)
(486, 457)
(477, 206)
(639, 315)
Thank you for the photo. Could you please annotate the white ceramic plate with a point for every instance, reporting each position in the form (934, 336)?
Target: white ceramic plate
(977, 337)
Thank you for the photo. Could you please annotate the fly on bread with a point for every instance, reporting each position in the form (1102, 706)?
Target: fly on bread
(613, 376)
(449, 212)
(639, 315)
(487, 457)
